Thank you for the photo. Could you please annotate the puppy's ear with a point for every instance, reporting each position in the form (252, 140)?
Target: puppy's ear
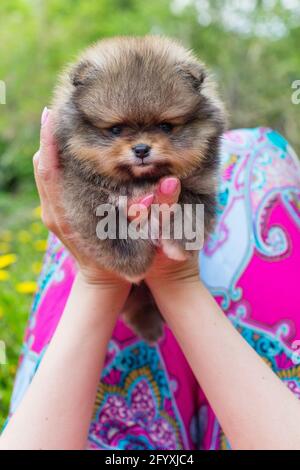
(83, 73)
(192, 72)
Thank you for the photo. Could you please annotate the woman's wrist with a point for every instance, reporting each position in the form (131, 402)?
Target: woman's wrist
(168, 276)
(98, 278)
(174, 297)
(94, 305)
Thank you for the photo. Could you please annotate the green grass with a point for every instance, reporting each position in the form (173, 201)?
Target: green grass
(21, 234)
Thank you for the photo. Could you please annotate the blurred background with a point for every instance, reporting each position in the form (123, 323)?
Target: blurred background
(251, 45)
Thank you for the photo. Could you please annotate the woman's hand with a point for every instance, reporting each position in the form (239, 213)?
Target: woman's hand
(49, 183)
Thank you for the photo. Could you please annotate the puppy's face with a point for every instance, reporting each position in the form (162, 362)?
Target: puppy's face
(141, 109)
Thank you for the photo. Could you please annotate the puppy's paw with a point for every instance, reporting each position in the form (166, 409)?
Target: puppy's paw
(152, 333)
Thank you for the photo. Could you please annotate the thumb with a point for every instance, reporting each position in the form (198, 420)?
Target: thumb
(48, 152)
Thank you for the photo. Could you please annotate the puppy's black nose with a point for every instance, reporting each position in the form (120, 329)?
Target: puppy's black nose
(141, 150)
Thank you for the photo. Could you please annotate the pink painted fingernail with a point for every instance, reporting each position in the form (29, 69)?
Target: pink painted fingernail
(45, 115)
(147, 201)
(169, 186)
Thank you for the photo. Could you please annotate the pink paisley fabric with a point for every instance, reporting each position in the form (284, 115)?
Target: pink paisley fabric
(148, 397)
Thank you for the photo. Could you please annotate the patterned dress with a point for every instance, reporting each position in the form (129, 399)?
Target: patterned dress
(148, 397)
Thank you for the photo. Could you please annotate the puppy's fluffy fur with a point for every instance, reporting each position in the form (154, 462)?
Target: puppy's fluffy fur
(120, 93)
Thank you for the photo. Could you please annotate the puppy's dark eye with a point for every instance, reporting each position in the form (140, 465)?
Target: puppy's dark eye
(116, 130)
(166, 127)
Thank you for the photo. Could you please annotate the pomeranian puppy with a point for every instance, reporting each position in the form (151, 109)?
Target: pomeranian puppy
(130, 111)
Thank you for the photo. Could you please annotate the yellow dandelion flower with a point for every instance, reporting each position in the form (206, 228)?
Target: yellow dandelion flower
(26, 287)
(36, 267)
(37, 212)
(24, 236)
(36, 227)
(4, 275)
(1, 312)
(4, 247)
(7, 260)
(6, 236)
(40, 245)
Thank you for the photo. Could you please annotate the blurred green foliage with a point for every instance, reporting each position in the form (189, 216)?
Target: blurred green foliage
(252, 46)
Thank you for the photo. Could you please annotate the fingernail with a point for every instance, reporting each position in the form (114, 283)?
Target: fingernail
(147, 201)
(169, 186)
(45, 115)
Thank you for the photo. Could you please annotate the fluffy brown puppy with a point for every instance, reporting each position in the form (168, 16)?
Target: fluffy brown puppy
(130, 111)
